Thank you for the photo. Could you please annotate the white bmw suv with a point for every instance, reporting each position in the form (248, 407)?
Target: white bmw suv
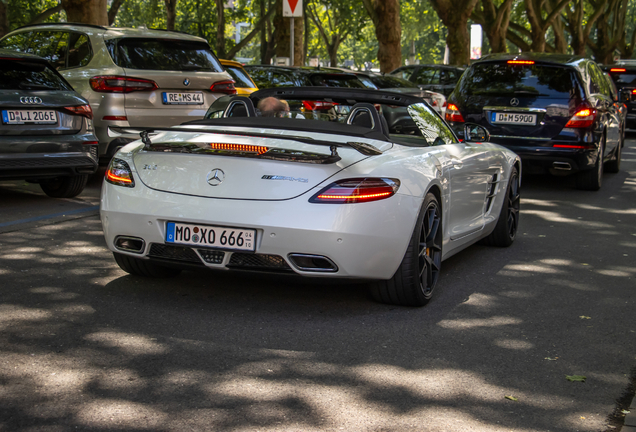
(131, 77)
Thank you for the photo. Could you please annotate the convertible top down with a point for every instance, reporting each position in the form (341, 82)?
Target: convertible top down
(342, 183)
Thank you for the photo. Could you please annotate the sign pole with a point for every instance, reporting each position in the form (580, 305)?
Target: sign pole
(291, 41)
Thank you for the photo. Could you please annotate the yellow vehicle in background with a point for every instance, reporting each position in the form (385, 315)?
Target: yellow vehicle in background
(244, 84)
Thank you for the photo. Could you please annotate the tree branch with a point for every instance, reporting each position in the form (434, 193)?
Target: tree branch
(257, 28)
(47, 13)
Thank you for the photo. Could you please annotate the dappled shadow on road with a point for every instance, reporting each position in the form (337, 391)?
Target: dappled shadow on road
(82, 345)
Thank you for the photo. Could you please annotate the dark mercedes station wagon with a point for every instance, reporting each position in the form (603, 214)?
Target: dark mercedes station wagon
(553, 110)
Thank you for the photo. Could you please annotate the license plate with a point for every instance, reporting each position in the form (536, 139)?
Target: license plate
(211, 236)
(513, 118)
(16, 117)
(176, 98)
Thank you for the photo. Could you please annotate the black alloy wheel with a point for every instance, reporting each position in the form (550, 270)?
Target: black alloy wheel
(414, 281)
(430, 249)
(507, 226)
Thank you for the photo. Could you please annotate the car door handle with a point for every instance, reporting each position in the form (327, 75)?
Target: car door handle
(457, 163)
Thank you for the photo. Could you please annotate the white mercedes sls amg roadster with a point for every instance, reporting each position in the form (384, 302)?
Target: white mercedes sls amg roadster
(322, 182)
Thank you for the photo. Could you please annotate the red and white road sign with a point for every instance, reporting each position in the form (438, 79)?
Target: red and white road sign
(292, 8)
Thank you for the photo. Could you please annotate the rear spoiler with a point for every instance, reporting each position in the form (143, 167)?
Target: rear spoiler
(144, 132)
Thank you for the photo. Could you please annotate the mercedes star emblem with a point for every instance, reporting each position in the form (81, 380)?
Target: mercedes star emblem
(216, 177)
(186, 82)
(30, 100)
(514, 102)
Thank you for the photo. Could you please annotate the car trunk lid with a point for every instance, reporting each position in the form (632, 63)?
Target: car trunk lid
(239, 167)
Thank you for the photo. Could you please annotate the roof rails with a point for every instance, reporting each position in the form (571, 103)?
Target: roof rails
(64, 24)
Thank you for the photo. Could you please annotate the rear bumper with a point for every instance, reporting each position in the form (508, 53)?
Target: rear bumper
(364, 241)
(39, 157)
(545, 155)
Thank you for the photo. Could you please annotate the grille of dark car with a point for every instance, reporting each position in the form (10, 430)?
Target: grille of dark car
(46, 162)
(174, 253)
(258, 262)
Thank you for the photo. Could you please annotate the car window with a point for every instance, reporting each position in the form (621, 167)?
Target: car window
(433, 129)
(598, 83)
(25, 75)
(368, 82)
(163, 54)
(240, 76)
(336, 80)
(79, 50)
(427, 76)
(259, 76)
(623, 79)
(44, 44)
(388, 81)
(18, 42)
(502, 79)
(58, 58)
(403, 73)
(281, 79)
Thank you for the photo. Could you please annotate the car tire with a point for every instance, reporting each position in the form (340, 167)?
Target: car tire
(505, 231)
(414, 281)
(614, 165)
(140, 267)
(64, 187)
(592, 179)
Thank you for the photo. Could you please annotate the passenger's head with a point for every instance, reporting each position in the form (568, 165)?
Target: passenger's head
(271, 107)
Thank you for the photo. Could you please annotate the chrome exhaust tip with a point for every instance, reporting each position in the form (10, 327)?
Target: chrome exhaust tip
(130, 244)
(312, 263)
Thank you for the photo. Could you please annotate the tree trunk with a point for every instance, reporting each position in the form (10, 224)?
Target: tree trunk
(539, 25)
(264, 31)
(4, 18)
(282, 31)
(299, 39)
(86, 11)
(171, 13)
(495, 23)
(220, 28)
(610, 31)
(388, 30)
(112, 12)
(454, 14)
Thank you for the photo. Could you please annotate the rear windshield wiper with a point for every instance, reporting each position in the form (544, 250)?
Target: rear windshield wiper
(32, 86)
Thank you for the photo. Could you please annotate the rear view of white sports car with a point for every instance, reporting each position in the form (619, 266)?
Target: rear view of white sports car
(321, 182)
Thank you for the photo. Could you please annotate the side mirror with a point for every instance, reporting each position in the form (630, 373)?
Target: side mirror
(625, 95)
(475, 133)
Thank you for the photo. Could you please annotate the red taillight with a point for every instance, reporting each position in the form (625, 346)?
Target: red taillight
(115, 118)
(226, 87)
(618, 70)
(318, 105)
(121, 84)
(634, 91)
(81, 110)
(569, 146)
(521, 62)
(119, 173)
(90, 143)
(357, 190)
(453, 114)
(246, 148)
(583, 118)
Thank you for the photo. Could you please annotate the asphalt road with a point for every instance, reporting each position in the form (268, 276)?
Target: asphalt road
(84, 346)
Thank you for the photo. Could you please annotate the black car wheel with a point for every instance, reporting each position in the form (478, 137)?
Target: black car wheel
(141, 267)
(64, 187)
(591, 180)
(414, 281)
(506, 229)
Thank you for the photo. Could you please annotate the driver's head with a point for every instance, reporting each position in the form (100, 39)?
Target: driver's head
(271, 106)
